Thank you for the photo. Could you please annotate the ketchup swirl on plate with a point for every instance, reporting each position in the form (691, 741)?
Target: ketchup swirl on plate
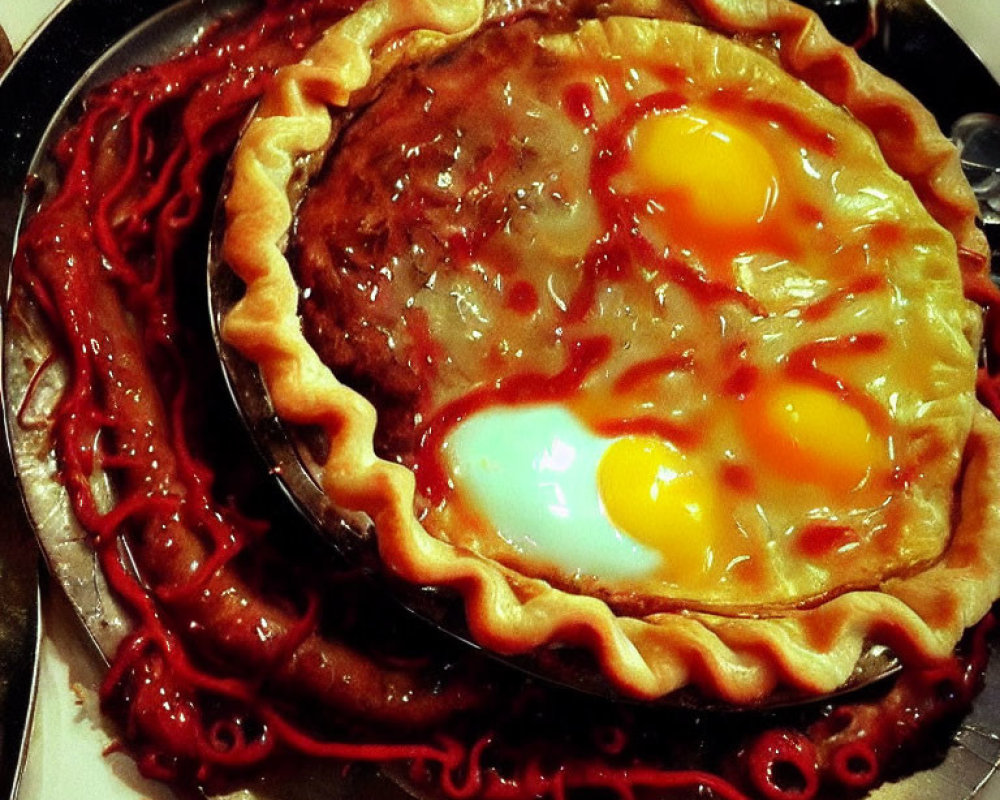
(239, 652)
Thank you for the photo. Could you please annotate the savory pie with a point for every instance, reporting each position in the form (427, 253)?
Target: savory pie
(644, 325)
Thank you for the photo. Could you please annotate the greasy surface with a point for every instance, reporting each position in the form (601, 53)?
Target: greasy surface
(650, 778)
(461, 246)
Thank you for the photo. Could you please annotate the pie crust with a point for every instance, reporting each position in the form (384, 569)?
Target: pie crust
(739, 657)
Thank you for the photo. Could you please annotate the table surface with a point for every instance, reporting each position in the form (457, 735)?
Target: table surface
(68, 735)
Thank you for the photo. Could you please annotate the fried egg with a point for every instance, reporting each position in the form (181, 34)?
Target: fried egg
(806, 433)
(713, 183)
(589, 505)
(716, 163)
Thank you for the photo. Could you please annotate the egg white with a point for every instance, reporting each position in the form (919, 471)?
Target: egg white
(531, 471)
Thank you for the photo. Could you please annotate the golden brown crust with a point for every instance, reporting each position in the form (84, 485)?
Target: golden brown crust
(907, 133)
(738, 659)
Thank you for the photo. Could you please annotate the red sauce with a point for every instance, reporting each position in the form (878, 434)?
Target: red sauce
(819, 540)
(523, 298)
(654, 427)
(804, 364)
(646, 372)
(578, 103)
(607, 261)
(739, 478)
(812, 136)
(741, 381)
(822, 309)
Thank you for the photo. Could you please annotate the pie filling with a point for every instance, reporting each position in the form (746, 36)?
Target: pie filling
(646, 317)
(647, 336)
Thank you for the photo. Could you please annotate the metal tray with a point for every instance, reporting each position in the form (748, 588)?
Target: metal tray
(72, 52)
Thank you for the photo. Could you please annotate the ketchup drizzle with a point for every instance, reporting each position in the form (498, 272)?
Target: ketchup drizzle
(803, 364)
(621, 213)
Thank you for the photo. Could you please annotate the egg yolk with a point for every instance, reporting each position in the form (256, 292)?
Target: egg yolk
(650, 491)
(807, 433)
(725, 173)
